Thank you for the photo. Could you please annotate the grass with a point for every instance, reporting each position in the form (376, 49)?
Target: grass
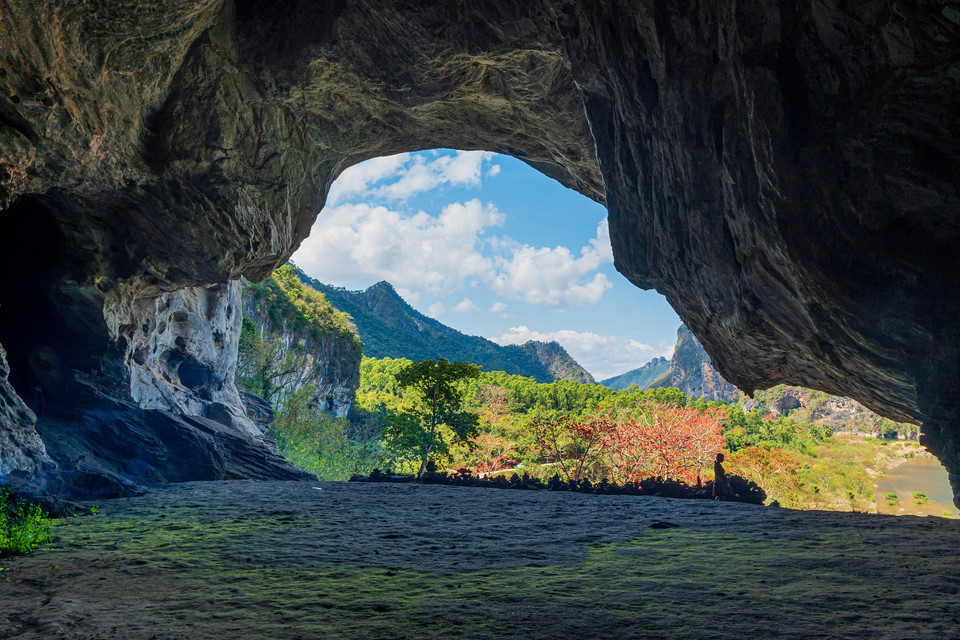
(23, 526)
(919, 497)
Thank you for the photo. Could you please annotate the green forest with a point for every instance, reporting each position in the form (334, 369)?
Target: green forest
(582, 431)
(454, 416)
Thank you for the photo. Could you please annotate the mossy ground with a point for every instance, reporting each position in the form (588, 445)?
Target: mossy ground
(284, 560)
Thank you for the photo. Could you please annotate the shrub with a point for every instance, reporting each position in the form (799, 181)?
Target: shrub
(891, 498)
(919, 497)
(23, 526)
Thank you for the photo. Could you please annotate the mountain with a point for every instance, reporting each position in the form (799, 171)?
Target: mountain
(389, 327)
(645, 377)
(688, 370)
(692, 372)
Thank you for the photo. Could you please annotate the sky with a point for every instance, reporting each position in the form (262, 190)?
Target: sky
(491, 247)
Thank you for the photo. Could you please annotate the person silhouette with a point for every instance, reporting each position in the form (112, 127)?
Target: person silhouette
(721, 489)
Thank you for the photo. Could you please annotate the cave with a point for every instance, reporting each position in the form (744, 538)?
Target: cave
(784, 173)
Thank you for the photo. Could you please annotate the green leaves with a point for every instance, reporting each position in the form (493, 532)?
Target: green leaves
(440, 406)
(23, 526)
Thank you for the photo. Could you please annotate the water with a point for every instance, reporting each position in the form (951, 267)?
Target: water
(924, 474)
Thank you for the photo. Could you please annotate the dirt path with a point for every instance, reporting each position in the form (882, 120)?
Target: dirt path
(381, 561)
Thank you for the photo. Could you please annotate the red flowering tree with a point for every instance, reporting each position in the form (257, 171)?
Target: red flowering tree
(576, 446)
(492, 453)
(664, 441)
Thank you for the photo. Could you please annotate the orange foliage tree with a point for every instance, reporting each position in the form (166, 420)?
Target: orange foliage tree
(575, 446)
(492, 453)
(654, 440)
(664, 441)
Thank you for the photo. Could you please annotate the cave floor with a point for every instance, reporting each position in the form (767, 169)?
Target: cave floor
(349, 560)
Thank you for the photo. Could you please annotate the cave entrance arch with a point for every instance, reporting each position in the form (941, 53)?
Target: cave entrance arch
(790, 187)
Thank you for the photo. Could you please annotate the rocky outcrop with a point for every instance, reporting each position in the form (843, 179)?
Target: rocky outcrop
(557, 361)
(21, 449)
(840, 414)
(331, 362)
(180, 351)
(785, 173)
(692, 372)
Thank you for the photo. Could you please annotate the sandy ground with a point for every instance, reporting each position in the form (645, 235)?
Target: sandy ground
(381, 561)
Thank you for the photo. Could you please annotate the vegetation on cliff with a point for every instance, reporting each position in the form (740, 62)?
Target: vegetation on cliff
(280, 364)
(301, 308)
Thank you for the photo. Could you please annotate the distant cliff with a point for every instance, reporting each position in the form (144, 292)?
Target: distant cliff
(692, 372)
(307, 324)
(557, 361)
(840, 414)
(391, 328)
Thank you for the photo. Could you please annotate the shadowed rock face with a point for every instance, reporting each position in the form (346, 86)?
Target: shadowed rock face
(785, 173)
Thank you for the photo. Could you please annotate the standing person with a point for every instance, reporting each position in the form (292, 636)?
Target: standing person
(721, 489)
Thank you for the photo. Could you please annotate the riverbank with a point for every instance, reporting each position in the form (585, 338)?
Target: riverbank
(368, 560)
(922, 474)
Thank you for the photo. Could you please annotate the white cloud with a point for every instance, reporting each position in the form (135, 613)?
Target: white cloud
(603, 356)
(355, 243)
(465, 306)
(409, 175)
(436, 309)
(359, 177)
(461, 169)
(555, 277)
(498, 307)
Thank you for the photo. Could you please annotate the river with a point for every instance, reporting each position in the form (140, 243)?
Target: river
(923, 473)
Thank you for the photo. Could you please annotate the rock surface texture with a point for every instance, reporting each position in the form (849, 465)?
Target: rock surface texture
(332, 362)
(181, 351)
(21, 449)
(784, 172)
(692, 372)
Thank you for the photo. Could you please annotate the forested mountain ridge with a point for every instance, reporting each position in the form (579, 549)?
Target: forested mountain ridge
(391, 328)
(644, 377)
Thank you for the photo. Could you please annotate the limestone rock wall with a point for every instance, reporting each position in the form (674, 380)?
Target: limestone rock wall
(692, 372)
(21, 449)
(180, 351)
(332, 362)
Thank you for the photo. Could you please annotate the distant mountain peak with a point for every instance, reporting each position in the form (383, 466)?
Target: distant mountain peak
(383, 285)
(390, 327)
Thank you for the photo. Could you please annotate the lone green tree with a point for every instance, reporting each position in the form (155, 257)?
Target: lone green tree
(440, 403)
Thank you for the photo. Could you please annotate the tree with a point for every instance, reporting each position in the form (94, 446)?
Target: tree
(267, 366)
(440, 406)
(491, 453)
(574, 445)
(662, 440)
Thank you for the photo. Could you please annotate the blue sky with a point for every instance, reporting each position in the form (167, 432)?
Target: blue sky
(491, 247)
